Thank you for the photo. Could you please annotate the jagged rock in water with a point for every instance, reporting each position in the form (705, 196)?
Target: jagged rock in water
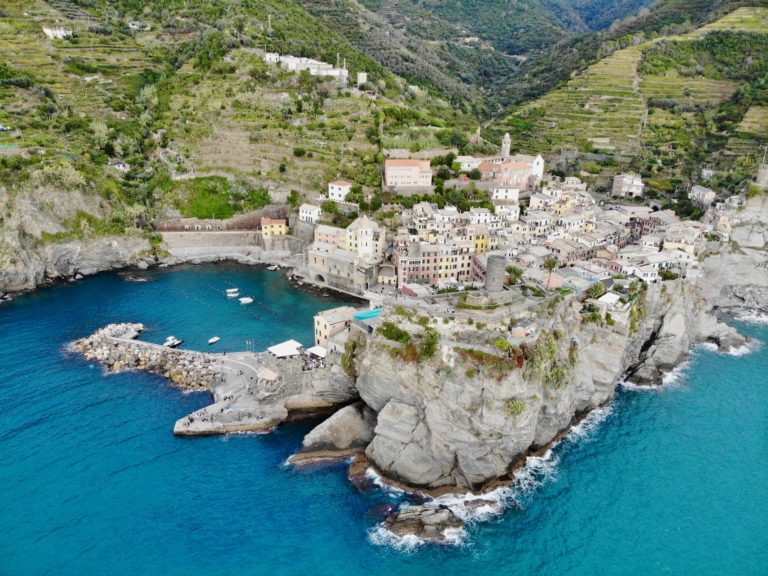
(428, 522)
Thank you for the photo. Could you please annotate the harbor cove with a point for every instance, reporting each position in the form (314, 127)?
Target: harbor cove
(667, 479)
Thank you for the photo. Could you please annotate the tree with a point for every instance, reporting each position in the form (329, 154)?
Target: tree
(294, 198)
(596, 290)
(550, 264)
(515, 274)
(330, 207)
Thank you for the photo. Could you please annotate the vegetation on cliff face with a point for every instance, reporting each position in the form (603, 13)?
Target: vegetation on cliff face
(545, 364)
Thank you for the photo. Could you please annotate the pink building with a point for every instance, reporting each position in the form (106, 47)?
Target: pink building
(407, 173)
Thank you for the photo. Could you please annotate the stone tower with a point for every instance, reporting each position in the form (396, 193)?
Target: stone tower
(506, 144)
(495, 272)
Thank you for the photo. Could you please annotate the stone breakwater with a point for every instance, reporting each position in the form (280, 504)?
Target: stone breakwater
(115, 348)
(252, 392)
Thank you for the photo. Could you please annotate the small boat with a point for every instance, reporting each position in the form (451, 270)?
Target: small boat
(246, 300)
(213, 340)
(172, 342)
(233, 294)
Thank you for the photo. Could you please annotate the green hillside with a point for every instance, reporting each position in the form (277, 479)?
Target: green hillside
(673, 103)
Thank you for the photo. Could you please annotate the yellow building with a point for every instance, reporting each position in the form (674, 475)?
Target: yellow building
(271, 227)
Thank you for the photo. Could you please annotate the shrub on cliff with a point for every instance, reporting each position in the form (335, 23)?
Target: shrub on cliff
(394, 333)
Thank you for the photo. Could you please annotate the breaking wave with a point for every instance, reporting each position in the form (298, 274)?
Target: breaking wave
(752, 318)
(473, 508)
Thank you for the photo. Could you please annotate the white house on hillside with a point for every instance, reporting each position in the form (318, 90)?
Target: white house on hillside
(338, 190)
(309, 213)
(627, 186)
(702, 195)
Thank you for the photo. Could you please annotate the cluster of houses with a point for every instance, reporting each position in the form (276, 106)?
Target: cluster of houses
(520, 172)
(441, 248)
(310, 65)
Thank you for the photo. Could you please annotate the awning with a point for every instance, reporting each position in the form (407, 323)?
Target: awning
(318, 351)
(286, 349)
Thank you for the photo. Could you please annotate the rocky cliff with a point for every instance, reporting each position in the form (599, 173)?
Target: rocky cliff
(467, 415)
(735, 276)
(38, 246)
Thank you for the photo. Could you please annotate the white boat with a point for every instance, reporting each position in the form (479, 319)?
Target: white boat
(246, 300)
(233, 294)
(172, 342)
(213, 340)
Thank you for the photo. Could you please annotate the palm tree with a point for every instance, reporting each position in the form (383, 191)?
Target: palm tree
(550, 264)
(515, 274)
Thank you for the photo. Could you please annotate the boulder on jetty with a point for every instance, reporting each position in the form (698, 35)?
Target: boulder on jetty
(345, 433)
(429, 522)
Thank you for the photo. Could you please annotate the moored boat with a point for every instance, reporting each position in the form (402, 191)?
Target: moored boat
(246, 300)
(213, 340)
(172, 342)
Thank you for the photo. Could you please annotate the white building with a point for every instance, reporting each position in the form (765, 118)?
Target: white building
(505, 194)
(338, 190)
(314, 67)
(58, 33)
(702, 195)
(627, 185)
(468, 163)
(366, 239)
(310, 213)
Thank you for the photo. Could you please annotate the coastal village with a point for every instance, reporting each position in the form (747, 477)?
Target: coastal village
(484, 274)
(540, 234)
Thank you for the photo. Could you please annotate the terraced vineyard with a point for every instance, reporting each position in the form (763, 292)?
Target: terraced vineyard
(87, 76)
(278, 133)
(688, 90)
(605, 108)
(601, 108)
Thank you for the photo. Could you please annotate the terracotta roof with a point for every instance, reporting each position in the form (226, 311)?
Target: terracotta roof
(341, 183)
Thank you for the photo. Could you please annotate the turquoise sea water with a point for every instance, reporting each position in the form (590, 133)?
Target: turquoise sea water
(92, 480)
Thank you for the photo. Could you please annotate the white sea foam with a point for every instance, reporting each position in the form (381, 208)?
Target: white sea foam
(752, 318)
(380, 536)
(676, 377)
(536, 472)
(589, 424)
(627, 385)
(747, 348)
(379, 482)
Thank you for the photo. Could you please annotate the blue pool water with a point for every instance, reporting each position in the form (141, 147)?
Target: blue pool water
(93, 482)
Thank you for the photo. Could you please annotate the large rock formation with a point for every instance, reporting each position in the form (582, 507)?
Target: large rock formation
(735, 278)
(347, 432)
(30, 255)
(467, 415)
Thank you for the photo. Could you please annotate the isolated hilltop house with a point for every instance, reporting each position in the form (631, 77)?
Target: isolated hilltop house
(314, 67)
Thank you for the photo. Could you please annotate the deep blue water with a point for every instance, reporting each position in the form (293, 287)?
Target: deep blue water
(92, 481)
